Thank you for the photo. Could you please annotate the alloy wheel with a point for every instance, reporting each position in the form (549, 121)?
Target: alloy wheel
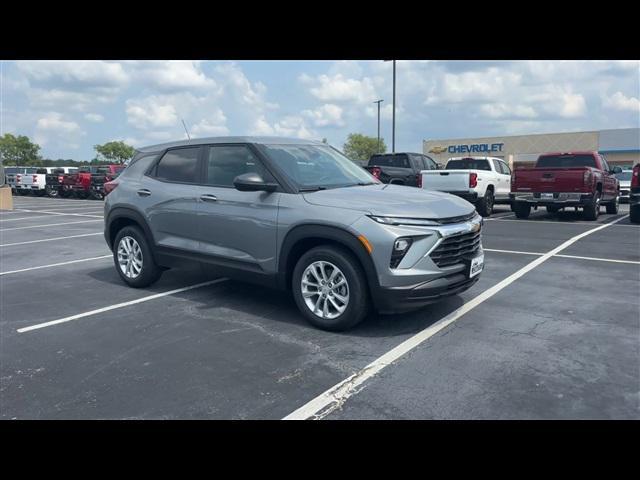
(130, 257)
(325, 290)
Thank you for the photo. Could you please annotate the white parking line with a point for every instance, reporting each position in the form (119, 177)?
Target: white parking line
(534, 221)
(51, 239)
(597, 259)
(56, 264)
(48, 225)
(60, 213)
(336, 396)
(119, 305)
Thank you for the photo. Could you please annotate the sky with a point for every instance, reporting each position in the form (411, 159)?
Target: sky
(67, 107)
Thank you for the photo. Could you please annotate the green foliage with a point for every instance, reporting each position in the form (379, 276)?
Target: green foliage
(359, 148)
(19, 151)
(117, 152)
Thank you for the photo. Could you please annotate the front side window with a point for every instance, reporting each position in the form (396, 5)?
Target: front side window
(226, 162)
(180, 165)
(317, 166)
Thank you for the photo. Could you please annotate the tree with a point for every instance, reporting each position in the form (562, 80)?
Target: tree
(115, 151)
(19, 151)
(359, 148)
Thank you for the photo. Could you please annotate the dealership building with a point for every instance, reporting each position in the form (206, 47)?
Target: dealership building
(620, 146)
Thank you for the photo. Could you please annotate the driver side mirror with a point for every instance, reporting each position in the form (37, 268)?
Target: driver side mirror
(615, 170)
(253, 182)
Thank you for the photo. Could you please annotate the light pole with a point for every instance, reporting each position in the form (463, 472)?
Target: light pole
(393, 122)
(379, 102)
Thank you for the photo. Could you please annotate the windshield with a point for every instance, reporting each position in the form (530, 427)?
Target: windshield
(624, 176)
(390, 161)
(316, 166)
(566, 161)
(468, 164)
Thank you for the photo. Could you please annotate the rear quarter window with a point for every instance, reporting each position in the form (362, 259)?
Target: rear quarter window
(468, 164)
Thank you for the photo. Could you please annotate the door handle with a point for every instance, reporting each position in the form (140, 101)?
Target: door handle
(208, 198)
(143, 192)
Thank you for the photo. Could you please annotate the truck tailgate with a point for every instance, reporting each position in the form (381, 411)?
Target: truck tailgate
(446, 180)
(550, 179)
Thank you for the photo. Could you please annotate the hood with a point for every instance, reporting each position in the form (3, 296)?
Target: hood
(392, 200)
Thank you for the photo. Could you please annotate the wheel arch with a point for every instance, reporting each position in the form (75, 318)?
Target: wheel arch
(120, 217)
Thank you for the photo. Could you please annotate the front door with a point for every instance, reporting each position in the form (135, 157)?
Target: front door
(237, 228)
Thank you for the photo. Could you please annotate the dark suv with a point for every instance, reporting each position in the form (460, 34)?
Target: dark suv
(294, 214)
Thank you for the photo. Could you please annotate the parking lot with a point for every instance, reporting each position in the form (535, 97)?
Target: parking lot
(551, 331)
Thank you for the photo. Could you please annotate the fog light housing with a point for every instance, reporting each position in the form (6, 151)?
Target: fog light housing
(400, 248)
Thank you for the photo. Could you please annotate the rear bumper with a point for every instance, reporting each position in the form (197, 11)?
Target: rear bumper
(403, 299)
(560, 199)
(471, 197)
(634, 198)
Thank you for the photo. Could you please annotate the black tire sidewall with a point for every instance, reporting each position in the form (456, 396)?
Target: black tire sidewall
(150, 270)
(522, 210)
(358, 292)
(634, 213)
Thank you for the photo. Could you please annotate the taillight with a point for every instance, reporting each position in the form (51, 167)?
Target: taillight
(376, 172)
(35, 179)
(586, 178)
(18, 178)
(60, 178)
(419, 180)
(110, 187)
(473, 180)
(635, 176)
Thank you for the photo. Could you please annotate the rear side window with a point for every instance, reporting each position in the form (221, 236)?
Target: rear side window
(137, 168)
(226, 162)
(180, 165)
(390, 161)
(468, 164)
(566, 161)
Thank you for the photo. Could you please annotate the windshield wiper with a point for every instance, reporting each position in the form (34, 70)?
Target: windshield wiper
(311, 189)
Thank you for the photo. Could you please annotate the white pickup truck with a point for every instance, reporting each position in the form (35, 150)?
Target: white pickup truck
(483, 181)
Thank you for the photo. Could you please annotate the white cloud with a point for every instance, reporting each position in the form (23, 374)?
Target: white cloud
(235, 83)
(151, 112)
(503, 110)
(326, 115)
(54, 126)
(213, 125)
(289, 126)
(338, 88)
(473, 87)
(72, 73)
(94, 117)
(173, 75)
(619, 101)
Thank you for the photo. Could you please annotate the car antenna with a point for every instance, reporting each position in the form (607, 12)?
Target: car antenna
(185, 129)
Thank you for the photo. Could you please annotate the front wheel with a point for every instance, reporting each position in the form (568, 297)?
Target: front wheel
(330, 288)
(484, 206)
(133, 259)
(614, 206)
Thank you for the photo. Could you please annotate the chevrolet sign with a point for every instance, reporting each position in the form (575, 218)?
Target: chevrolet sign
(438, 150)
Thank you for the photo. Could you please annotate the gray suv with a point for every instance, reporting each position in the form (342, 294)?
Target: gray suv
(295, 214)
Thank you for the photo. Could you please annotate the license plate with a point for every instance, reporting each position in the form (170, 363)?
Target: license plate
(546, 195)
(477, 264)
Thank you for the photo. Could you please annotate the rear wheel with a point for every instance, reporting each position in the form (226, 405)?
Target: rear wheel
(634, 213)
(614, 206)
(484, 205)
(133, 259)
(522, 210)
(591, 211)
(330, 288)
(52, 192)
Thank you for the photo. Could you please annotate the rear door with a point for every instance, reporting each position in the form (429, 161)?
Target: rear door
(239, 228)
(503, 183)
(168, 195)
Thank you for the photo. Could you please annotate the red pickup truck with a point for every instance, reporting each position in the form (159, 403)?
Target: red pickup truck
(560, 180)
(89, 181)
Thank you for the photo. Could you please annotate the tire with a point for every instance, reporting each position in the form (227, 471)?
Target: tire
(522, 210)
(356, 290)
(149, 272)
(53, 192)
(613, 207)
(96, 195)
(551, 209)
(484, 205)
(634, 213)
(591, 211)
(22, 192)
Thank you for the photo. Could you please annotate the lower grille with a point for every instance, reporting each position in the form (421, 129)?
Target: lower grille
(456, 248)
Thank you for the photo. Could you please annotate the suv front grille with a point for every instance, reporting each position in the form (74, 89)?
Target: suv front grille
(460, 219)
(456, 248)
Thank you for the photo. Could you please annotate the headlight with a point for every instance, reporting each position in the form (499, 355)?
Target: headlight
(420, 222)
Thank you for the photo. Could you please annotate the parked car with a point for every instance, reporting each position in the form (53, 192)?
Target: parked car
(88, 181)
(483, 181)
(634, 195)
(55, 178)
(16, 178)
(624, 177)
(294, 214)
(560, 180)
(400, 168)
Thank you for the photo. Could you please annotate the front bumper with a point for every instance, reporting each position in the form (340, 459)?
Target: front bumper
(559, 199)
(412, 297)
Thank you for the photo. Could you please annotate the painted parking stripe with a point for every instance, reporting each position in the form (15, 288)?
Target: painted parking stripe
(50, 212)
(119, 305)
(13, 219)
(48, 225)
(57, 264)
(336, 396)
(596, 259)
(51, 239)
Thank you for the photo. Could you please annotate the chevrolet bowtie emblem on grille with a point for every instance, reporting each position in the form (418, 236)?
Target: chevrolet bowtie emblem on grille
(437, 150)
